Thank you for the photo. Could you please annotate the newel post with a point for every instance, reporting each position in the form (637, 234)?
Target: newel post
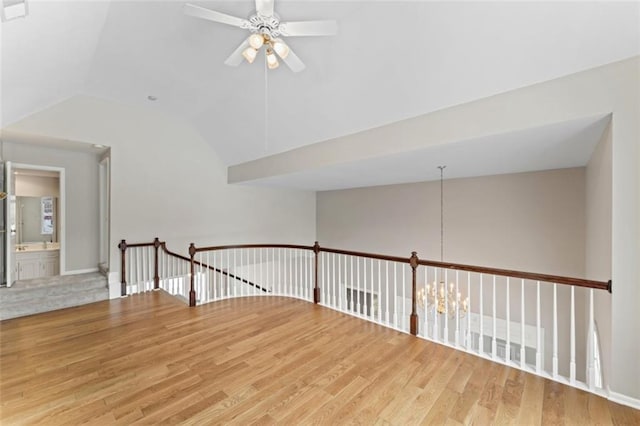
(156, 277)
(192, 291)
(316, 289)
(413, 319)
(123, 274)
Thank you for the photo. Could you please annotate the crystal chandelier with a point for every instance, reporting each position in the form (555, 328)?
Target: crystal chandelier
(443, 302)
(437, 297)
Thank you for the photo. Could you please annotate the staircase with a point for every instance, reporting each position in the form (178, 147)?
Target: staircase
(38, 295)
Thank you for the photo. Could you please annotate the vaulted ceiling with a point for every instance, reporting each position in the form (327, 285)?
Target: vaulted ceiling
(390, 61)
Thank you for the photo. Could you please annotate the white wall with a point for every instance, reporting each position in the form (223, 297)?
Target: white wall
(81, 174)
(598, 243)
(166, 181)
(37, 186)
(525, 221)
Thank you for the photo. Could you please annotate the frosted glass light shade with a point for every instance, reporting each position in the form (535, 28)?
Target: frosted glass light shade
(272, 61)
(256, 41)
(281, 49)
(250, 54)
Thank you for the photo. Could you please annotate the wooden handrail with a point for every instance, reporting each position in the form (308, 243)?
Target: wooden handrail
(220, 271)
(579, 282)
(244, 246)
(140, 244)
(557, 279)
(364, 254)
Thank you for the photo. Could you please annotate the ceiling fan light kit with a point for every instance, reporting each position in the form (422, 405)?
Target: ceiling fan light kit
(272, 61)
(250, 54)
(266, 28)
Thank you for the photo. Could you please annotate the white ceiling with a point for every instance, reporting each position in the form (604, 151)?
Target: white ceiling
(390, 61)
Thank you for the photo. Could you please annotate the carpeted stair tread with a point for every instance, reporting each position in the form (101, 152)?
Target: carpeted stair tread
(41, 295)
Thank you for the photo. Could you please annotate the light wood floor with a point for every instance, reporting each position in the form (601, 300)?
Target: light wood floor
(150, 359)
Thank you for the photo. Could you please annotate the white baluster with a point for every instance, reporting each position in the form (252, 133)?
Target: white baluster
(538, 334)
(555, 330)
(207, 296)
(140, 271)
(280, 260)
(378, 307)
(591, 350)
(425, 300)
(386, 292)
(523, 338)
(445, 335)
(457, 300)
(507, 354)
(227, 277)
(395, 294)
(290, 273)
(370, 311)
(215, 287)
(294, 273)
(364, 285)
(197, 278)
(468, 338)
(404, 307)
(245, 262)
(358, 299)
(436, 331)
(372, 279)
(261, 281)
(494, 343)
(340, 291)
(481, 342)
(351, 295)
(151, 267)
(305, 273)
(333, 278)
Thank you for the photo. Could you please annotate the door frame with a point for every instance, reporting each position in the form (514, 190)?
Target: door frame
(61, 211)
(104, 207)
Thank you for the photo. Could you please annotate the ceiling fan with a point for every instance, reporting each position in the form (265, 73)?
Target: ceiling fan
(266, 29)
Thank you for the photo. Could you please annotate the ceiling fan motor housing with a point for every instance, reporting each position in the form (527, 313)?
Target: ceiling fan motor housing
(266, 25)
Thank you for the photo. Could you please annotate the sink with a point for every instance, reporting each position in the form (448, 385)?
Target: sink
(27, 247)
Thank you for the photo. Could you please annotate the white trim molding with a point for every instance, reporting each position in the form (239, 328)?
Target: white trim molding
(114, 284)
(624, 399)
(80, 271)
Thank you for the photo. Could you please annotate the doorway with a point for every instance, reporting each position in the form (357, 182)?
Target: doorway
(104, 209)
(35, 214)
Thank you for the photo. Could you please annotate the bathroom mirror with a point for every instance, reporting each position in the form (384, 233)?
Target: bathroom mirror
(36, 219)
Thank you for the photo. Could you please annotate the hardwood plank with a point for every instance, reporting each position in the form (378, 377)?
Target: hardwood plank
(149, 359)
(553, 404)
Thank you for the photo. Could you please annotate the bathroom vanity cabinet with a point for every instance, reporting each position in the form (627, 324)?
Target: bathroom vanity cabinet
(37, 264)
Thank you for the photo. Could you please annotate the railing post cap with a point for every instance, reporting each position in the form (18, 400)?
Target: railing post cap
(413, 260)
(192, 249)
(316, 247)
(123, 245)
(156, 242)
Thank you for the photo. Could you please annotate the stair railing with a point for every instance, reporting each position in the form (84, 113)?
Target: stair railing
(540, 323)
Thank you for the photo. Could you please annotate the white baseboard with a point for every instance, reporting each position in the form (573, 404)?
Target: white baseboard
(80, 271)
(114, 285)
(624, 400)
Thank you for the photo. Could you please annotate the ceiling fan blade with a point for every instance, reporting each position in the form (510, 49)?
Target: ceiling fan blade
(264, 7)
(293, 62)
(236, 57)
(212, 15)
(308, 28)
